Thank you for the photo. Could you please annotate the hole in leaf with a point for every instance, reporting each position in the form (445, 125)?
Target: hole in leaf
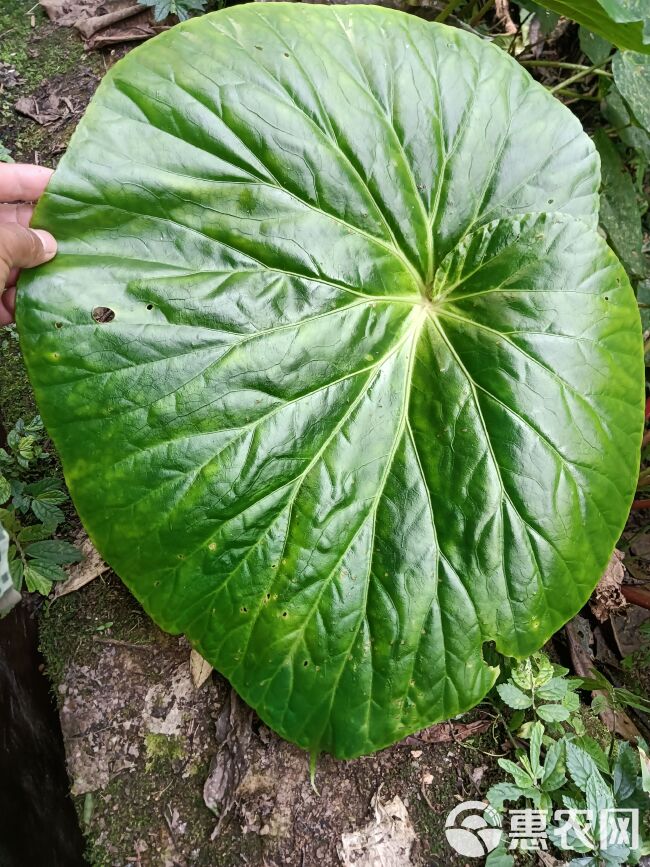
(285, 613)
(58, 324)
(490, 654)
(149, 306)
(103, 314)
(306, 663)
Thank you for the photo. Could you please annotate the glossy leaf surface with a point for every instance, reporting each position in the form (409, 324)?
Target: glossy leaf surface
(372, 392)
(624, 23)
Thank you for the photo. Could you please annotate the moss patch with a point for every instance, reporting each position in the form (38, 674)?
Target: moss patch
(16, 397)
(163, 749)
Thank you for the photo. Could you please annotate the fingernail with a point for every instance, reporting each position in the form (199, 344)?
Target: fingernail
(47, 240)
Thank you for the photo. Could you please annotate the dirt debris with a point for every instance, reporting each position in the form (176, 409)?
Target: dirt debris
(154, 750)
(103, 22)
(385, 842)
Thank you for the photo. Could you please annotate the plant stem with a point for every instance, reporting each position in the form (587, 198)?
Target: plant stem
(637, 595)
(451, 6)
(544, 64)
(517, 34)
(482, 12)
(589, 70)
(574, 95)
(506, 729)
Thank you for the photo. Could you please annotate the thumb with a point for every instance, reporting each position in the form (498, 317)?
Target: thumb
(23, 248)
(20, 248)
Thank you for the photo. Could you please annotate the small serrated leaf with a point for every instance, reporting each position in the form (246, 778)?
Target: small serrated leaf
(513, 696)
(49, 570)
(599, 703)
(521, 777)
(47, 513)
(571, 701)
(500, 857)
(591, 746)
(543, 668)
(580, 765)
(34, 533)
(499, 793)
(534, 749)
(598, 795)
(54, 551)
(552, 713)
(36, 582)
(554, 690)
(522, 674)
(554, 775)
(46, 490)
(625, 771)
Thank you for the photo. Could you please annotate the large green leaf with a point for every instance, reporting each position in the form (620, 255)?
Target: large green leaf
(616, 111)
(632, 76)
(370, 394)
(625, 23)
(619, 210)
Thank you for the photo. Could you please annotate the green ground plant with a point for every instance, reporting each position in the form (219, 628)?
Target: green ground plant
(30, 501)
(566, 774)
(179, 9)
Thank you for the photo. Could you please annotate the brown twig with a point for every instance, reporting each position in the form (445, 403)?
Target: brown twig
(636, 595)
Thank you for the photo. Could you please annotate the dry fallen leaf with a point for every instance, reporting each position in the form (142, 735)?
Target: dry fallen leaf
(91, 567)
(386, 841)
(199, 669)
(125, 22)
(607, 597)
(443, 733)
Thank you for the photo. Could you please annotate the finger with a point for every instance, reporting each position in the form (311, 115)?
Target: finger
(22, 183)
(20, 214)
(12, 279)
(23, 248)
(7, 306)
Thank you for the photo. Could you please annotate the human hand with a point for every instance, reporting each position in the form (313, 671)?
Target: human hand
(20, 246)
